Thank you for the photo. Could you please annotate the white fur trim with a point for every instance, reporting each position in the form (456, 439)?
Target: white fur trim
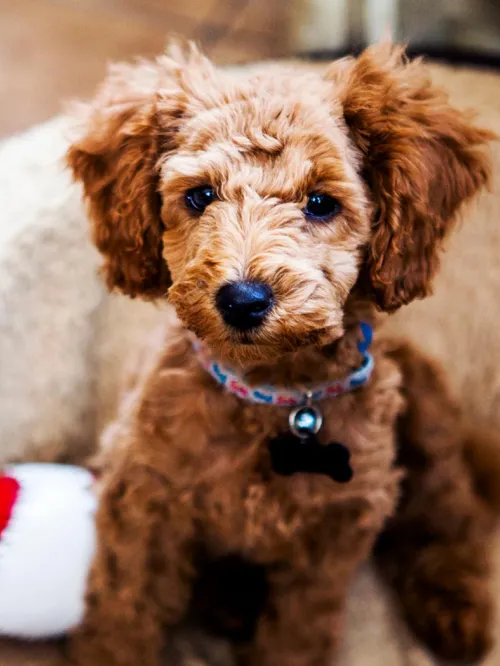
(46, 550)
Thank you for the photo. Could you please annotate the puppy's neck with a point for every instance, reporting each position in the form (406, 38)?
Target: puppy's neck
(311, 365)
(317, 365)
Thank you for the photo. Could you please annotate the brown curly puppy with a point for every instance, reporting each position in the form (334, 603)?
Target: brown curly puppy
(278, 209)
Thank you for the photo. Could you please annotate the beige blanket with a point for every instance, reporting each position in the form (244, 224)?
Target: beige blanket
(63, 340)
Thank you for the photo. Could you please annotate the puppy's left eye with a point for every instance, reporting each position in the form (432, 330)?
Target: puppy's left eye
(321, 206)
(198, 198)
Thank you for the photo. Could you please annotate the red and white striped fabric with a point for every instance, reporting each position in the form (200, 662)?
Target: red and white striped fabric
(47, 540)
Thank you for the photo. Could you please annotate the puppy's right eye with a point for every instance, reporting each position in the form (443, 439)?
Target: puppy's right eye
(198, 198)
(321, 206)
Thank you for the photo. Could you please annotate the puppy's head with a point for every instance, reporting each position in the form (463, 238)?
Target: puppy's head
(259, 203)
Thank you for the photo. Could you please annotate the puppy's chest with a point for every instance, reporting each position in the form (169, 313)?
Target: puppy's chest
(254, 510)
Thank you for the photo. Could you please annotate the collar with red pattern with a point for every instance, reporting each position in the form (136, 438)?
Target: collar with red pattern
(291, 397)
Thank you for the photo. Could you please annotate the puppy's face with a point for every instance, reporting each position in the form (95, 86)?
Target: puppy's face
(266, 222)
(259, 202)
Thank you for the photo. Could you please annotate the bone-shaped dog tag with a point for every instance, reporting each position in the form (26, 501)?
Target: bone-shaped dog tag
(291, 454)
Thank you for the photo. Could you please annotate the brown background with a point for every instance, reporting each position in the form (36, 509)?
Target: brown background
(52, 50)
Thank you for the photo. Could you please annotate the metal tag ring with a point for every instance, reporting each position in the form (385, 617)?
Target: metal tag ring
(305, 421)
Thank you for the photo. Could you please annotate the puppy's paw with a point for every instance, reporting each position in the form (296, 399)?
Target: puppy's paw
(452, 616)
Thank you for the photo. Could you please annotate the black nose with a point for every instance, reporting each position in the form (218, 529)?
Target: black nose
(243, 305)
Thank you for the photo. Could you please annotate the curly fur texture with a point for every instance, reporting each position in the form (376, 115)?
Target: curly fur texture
(187, 480)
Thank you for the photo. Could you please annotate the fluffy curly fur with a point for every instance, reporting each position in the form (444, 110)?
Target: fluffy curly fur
(187, 482)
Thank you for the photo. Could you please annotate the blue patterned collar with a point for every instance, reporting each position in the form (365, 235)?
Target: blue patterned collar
(291, 397)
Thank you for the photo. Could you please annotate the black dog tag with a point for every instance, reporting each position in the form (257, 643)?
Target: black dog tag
(291, 454)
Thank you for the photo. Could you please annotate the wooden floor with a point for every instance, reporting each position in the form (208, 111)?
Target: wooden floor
(52, 50)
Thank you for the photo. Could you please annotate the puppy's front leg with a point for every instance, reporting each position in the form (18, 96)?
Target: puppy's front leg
(141, 576)
(302, 623)
(435, 550)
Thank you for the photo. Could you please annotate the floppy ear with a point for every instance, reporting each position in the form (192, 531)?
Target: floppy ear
(421, 160)
(122, 133)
